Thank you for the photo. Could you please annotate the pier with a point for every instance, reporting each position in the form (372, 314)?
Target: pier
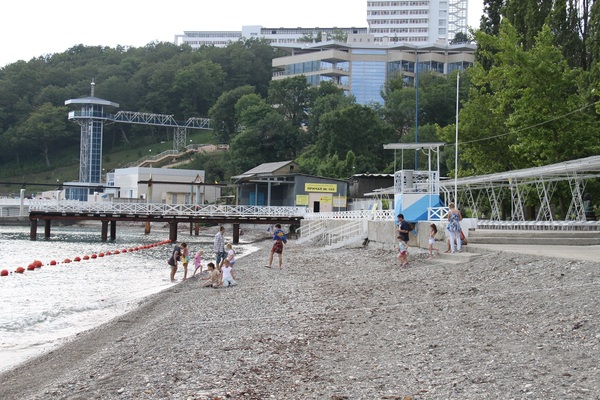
(109, 213)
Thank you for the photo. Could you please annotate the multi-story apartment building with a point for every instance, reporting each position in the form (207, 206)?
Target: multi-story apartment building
(417, 21)
(275, 35)
(361, 66)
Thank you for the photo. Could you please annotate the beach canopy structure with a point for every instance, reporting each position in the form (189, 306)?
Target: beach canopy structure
(489, 191)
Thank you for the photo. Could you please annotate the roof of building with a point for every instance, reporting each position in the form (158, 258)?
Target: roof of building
(263, 169)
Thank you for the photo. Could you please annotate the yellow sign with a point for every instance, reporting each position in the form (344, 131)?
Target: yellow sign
(301, 199)
(320, 187)
(326, 199)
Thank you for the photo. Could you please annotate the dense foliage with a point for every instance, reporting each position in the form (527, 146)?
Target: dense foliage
(531, 99)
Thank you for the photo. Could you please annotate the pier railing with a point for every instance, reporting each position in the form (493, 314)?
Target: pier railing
(78, 207)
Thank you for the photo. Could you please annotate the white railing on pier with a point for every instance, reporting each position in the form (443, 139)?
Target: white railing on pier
(373, 215)
(78, 207)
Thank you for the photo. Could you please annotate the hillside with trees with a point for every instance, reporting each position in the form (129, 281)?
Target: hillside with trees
(530, 99)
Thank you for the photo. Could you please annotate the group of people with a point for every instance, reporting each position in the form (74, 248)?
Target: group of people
(220, 273)
(455, 241)
(182, 253)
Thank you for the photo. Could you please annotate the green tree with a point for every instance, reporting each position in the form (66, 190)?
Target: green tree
(44, 127)
(267, 136)
(526, 110)
(198, 86)
(357, 128)
(291, 97)
(223, 114)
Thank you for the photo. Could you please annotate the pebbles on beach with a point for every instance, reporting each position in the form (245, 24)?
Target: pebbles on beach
(343, 324)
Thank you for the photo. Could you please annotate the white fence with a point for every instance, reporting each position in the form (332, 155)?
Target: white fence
(377, 215)
(79, 207)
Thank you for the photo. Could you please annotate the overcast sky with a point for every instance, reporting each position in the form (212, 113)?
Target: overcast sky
(38, 27)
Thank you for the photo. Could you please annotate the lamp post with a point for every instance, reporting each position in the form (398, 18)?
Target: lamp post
(456, 145)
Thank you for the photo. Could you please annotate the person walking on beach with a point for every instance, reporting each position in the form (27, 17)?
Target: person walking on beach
(198, 262)
(454, 218)
(175, 257)
(219, 246)
(279, 240)
(403, 228)
(402, 252)
(227, 275)
(213, 278)
(432, 233)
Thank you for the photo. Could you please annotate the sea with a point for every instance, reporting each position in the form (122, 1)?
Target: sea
(42, 308)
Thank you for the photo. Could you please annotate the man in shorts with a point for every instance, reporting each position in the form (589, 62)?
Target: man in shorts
(279, 239)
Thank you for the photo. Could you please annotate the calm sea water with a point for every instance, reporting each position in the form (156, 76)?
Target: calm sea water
(40, 309)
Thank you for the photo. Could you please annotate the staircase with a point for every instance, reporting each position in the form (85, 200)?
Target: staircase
(545, 237)
(348, 233)
(311, 229)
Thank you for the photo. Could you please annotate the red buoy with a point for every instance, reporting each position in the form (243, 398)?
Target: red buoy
(86, 257)
(94, 256)
(37, 263)
(4, 272)
(117, 252)
(53, 262)
(100, 254)
(77, 259)
(30, 267)
(108, 253)
(124, 251)
(20, 270)
(67, 261)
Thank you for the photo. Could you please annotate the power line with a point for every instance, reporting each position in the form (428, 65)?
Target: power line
(528, 127)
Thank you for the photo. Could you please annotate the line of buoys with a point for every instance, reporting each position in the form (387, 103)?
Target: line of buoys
(38, 264)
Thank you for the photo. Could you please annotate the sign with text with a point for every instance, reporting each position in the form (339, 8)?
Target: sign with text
(326, 200)
(301, 199)
(320, 187)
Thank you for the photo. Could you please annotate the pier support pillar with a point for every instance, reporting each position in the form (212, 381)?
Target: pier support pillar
(197, 228)
(33, 229)
(104, 234)
(147, 228)
(113, 230)
(47, 225)
(173, 231)
(191, 228)
(236, 233)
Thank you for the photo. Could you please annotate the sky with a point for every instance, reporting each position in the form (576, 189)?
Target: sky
(40, 27)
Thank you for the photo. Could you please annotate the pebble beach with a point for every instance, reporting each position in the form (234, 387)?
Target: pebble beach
(344, 324)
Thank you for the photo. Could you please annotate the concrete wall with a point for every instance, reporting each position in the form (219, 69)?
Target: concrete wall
(382, 234)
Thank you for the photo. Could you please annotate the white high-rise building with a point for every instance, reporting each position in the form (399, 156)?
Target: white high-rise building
(417, 21)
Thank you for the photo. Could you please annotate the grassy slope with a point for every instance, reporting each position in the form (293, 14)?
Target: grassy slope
(70, 171)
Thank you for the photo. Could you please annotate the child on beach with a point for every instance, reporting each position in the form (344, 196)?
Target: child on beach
(185, 259)
(213, 278)
(198, 262)
(403, 252)
(230, 255)
(432, 233)
(227, 275)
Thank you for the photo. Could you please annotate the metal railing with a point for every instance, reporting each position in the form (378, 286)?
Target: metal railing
(349, 232)
(377, 215)
(68, 206)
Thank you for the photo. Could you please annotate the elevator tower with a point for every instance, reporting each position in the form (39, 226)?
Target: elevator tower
(91, 118)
